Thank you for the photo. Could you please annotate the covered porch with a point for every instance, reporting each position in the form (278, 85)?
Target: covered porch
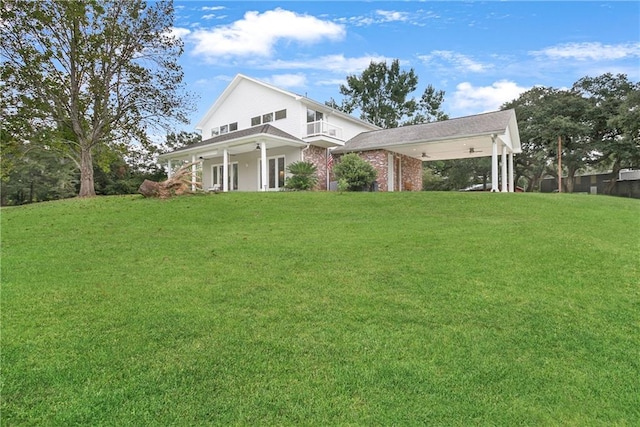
(253, 159)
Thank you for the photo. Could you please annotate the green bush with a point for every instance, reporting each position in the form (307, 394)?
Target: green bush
(358, 173)
(303, 176)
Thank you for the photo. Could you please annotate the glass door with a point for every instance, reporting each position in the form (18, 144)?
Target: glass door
(275, 173)
(217, 172)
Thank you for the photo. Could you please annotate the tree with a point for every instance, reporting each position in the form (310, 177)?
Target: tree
(356, 172)
(38, 174)
(614, 115)
(93, 73)
(180, 139)
(381, 94)
(544, 115)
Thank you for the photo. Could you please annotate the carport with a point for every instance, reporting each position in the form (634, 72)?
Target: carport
(492, 134)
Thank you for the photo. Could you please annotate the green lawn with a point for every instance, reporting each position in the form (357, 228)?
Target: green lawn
(322, 309)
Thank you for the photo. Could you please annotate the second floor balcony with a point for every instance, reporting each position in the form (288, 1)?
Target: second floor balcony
(322, 128)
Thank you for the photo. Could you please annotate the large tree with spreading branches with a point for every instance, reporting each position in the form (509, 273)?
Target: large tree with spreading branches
(383, 96)
(81, 76)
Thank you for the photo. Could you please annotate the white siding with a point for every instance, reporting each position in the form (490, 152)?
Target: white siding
(249, 99)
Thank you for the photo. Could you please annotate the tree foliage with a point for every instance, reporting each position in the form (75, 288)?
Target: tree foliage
(381, 93)
(357, 173)
(594, 120)
(91, 74)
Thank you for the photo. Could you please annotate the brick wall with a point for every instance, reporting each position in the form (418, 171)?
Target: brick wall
(318, 156)
(410, 168)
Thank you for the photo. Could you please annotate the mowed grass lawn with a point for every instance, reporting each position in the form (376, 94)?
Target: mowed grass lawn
(322, 309)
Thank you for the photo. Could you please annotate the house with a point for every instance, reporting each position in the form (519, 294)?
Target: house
(255, 130)
(253, 124)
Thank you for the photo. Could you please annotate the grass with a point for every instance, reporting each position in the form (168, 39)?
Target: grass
(322, 309)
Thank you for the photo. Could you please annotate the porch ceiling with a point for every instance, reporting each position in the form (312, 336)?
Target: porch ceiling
(455, 148)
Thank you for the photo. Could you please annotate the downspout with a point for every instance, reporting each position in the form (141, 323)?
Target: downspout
(302, 152)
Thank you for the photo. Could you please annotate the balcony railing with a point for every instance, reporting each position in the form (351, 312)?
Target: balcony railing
(321, 127)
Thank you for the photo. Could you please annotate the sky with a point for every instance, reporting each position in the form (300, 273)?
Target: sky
(481, 54)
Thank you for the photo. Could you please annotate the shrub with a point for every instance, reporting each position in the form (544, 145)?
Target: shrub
(358, 173)
(303, 176)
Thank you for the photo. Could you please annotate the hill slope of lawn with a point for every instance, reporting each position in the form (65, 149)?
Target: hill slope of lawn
(322, 309)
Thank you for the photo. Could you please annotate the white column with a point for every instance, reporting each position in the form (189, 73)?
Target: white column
(390, 172)
(263, 166)
(504, 169)
(193, 173)
(512, 188)
(494, 164)
(225, 170)
(169, 169)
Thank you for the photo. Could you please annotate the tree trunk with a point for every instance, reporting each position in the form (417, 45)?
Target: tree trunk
(149, 188)
(614, 177)
(87, 187)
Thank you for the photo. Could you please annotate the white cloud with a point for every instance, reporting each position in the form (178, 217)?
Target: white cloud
(209, 16)
(178, 32)
(592, 51)
(212, 8)
(470, 99)
(256, 34)
(459, 61)
(382, 16)
(329, 63)
(390, 15)
(288, 80)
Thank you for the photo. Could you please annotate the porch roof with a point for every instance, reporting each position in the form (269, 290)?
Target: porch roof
(241, 141)
(458, 138)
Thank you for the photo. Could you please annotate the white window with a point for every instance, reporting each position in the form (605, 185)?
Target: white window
(281, 114)
(255, 121)
(215, 132)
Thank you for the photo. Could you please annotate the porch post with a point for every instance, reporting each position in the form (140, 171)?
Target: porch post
(504, 169)
(494, 164)
(193, 172)
(169, 170)
(225, 170)
(512, 188)
(263, 166)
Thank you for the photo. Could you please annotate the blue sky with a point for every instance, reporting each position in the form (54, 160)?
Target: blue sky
(481, 54)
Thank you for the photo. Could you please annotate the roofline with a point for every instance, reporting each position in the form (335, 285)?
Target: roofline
(229, 143)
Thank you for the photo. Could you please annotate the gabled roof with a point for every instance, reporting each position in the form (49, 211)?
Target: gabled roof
(471, 133)
(240, 77)
(487, 123)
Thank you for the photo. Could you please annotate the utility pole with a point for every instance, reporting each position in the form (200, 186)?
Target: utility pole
(559, 164)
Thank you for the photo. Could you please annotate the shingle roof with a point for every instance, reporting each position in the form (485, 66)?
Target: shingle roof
(265, 129)
(487, 123)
